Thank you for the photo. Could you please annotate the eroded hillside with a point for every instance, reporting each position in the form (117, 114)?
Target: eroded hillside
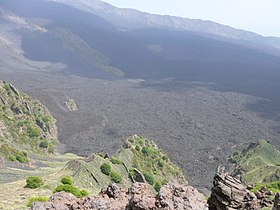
(26, 126)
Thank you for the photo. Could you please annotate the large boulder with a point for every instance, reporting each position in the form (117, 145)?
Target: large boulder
(276, 205)
(229, 193)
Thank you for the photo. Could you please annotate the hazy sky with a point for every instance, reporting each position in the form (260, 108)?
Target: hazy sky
(260, 16)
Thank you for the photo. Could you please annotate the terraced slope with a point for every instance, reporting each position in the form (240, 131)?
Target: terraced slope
(259, 163)
(140, 159)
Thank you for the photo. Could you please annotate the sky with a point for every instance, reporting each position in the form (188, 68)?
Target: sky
(260, 16)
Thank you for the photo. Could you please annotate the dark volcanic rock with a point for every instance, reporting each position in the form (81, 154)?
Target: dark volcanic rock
(138, 197)
(228, 193)
(276, 205)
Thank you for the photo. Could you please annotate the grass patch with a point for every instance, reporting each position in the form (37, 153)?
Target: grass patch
(36, 199)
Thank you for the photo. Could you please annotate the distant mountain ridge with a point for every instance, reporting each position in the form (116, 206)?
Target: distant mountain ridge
(133, 19)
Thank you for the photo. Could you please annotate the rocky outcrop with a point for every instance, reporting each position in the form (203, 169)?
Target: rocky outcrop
(228, 193)
(138, 197)
(276, 205)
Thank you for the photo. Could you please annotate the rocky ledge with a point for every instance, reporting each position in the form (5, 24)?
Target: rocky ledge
(228, 193)
(138, 197)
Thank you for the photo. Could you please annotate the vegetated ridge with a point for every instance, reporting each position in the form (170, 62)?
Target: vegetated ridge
(26, 126)
(258, 164)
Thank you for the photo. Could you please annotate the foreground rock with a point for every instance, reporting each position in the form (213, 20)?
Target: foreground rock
(138, 197)
(228, 193)
(276, 205)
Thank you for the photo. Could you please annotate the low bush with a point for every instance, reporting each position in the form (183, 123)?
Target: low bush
(34, 182)
(33, 132)
(149, 178)
(44, 144)
(84, 193)
(115, 177)
(116, 161)
(36, 199)
(68, 188)
(67, 180)
(158, 185)
(105, 169)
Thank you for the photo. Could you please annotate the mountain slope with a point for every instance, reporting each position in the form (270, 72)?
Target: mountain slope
(90, 46)
(132, 19)
(26, 126)
(259, 163)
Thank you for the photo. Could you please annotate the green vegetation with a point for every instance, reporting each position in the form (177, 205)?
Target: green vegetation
(13, 154)
(105, 169)
(26, 126)
(260, 163)
(44, 144)
(36, 199)
(33, 132)
(149, 178)
(116, 161)
(273, 186)
(151, 162)
(67, 186)
(115, 177)
(67, 180)
(34, 182)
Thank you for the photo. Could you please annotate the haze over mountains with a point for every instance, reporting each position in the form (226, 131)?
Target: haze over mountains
(195, 83)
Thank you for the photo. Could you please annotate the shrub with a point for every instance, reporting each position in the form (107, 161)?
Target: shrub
(115, 177)
(35, 199)
(21, 157)
(44, 144)
(149, 178)
(34, 182)
(51, 148)
(137, 148)
(68, 188)
(67, 180)
(161, 163)
(116, 161)
(158, 185)
(12, 158)
(84, 193)
(33, 132)
(105, 169)
(7, 87)
(132, 174)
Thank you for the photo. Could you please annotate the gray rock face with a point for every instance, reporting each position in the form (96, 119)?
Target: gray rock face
(229, 193)
(276, 205)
